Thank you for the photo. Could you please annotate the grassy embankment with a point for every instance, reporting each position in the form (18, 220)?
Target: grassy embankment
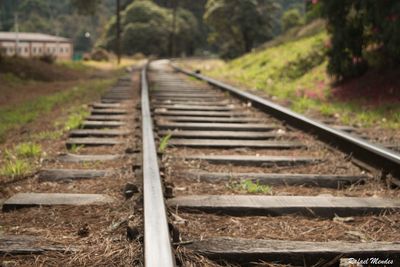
(77, 84)
(292, 71)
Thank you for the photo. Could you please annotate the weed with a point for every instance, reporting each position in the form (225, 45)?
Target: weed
(250, 187)
(164, 143)
(75, 148)
(16, 167)
(28, 150)
(75, 119)
(49, 135)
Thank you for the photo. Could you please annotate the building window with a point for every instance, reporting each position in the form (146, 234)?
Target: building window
(61, 50)
(11, 50)
(34, 50)
(26, 49)
(40, 50)
(19, 49)
(66, 50)
(48, 49)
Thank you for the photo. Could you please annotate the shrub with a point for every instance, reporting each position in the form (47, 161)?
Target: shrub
(47, 58)
(16, 168)
(291, 18)
(28, 150)
(100, 54)
(357, 27)
(305, 62)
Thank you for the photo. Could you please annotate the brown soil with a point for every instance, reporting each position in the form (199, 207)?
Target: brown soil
(385, 227)
(376, 87)
(17, 94)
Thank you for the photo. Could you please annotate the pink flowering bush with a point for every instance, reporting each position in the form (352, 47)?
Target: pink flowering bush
(355, 26)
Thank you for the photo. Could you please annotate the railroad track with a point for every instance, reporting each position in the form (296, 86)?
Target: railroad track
(227, 179)
(243, 185)
(79, 209)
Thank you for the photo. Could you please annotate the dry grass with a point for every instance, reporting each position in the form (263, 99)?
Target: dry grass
(102, 246)
(189, 258)
(112, 64)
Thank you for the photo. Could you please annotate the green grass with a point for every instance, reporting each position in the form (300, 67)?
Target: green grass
(15, 168)
(293, 72)
(250, 186)
(76, 118)
(47, 135)
(20, 160)
(74, 65)
(16, 116)
(75, 148)
(164, 143)
(28, 150)
(11, 79)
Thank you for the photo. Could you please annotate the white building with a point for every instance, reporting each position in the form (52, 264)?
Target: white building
(35, 44)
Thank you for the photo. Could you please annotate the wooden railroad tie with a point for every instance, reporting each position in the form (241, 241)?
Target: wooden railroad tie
(322, 206)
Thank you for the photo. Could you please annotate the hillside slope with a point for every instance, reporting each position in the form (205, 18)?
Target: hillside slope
(292, 71)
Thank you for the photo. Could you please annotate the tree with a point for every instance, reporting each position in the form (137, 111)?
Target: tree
(360, 29)
(86, 6)
(291, 18)
(197, 9)
(238, 25)
(147, 27)
(187, 32)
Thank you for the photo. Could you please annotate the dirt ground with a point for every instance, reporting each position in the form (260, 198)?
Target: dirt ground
(18, 92)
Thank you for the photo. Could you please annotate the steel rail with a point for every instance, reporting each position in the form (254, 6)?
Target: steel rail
(373, 155)
(157, 242)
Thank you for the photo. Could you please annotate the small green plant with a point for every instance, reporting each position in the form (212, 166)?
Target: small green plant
(75, 120)
(250, 187)
(164, 142)
(8, 155)
(28, 150)
(48, 135)
(16, 167)
(75, 148)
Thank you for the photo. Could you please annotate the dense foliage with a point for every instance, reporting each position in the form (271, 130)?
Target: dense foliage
(291, 18)
(238, 25)
(226, 27)
(363, 33)
(147, 28)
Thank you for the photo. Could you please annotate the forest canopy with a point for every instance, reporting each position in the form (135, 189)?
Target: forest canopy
(149, 26)
(148, 29)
